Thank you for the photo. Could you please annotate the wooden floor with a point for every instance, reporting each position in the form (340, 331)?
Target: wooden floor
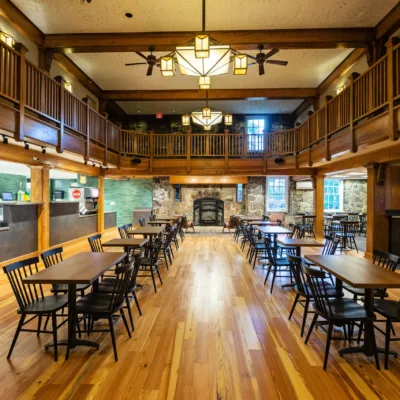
(212, 331)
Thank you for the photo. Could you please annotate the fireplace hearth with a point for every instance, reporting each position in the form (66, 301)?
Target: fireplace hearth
(208, 211)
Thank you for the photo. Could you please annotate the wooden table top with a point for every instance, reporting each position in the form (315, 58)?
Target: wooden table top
(169, 218)
(357, 272)
(274, 230)
(147, 230)
(81, 268)
(126, 243)
(261, 223)
(158, 222)
(248, 219)
(300, 242)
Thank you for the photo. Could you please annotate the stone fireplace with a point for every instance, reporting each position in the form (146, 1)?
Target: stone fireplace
(208, 211)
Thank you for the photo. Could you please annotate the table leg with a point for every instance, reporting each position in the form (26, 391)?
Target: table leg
(291, 284)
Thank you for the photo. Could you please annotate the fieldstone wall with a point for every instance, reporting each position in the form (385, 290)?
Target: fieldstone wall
(355, 195)
(255, 196)
(300, 201)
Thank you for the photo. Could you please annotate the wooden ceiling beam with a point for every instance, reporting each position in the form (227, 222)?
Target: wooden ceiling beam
(213, 94)
(340, 70)
(389, 24)
(240, 40)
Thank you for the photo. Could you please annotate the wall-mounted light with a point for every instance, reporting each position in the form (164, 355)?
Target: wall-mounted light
(204, 82)
(93, 165)
(68, 86)
(186, 120)
(240, 64)
(85, 162)
(7, 39)
(228, 119)
(43, 150)
(339, 89)
(202, 46)
(167, 66)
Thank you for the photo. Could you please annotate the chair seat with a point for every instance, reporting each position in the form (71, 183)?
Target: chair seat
(330, 290)
(361, 292)
(388, 308)
(47, 304)
(107, 286)
(63, 288)
(342, 234)
(282, 262)
(346, 309)
(95, 302)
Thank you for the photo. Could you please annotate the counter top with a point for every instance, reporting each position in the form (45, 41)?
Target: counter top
(109, 212)
(64, 201)
(19, 203)
(87, 215)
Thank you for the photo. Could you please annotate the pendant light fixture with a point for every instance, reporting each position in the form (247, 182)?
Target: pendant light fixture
(167, 66)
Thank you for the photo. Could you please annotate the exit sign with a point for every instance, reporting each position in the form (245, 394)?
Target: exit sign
(158, 115)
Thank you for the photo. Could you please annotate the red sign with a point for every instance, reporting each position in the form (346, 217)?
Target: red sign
(158, 115)
(76, 194)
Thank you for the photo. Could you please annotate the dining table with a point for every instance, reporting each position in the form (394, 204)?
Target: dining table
(147, 231)
(157, 223)
(262, 223)
(250, 219)
(359, 273)
(82, 268)
(127, 244)
(299, 243)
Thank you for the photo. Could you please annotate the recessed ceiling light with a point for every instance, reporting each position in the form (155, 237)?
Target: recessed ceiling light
(128, 15)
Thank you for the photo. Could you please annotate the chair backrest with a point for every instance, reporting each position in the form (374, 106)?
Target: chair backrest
(298, 232)
(386, 260)
(95, 243)
(330, 245)
(155, 251)
(185, 222)
(132, 283)
(24, 293)
(51, 257)
(122, 232)
(299, 276)
(309, 219)
(142, 221)
(265, 218)
(152, 217)
(362, 218)
(279, 222)
(350, 227)
(317, 284)
(271, 255)
(121, 284)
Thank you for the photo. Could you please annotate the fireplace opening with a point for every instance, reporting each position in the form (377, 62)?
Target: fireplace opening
(208, 211)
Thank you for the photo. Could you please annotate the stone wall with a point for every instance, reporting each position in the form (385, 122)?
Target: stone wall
(300, 201)
(255, 196)
(355, 195)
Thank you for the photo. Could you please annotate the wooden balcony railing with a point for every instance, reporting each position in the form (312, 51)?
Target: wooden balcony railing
(30, 89)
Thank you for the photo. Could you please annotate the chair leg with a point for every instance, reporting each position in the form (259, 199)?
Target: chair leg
(47, 321)
(294, 305)
(128, 306)
(19, 327)
(126, 322)
(328, 344)
(137, 303)
(273, 278)
(303, 325)
(39, 324)
(111, 323)
(165, 258)
(266, 278)
(54, 320)
(387, 342)
(360, 329)
(159, 276)
(314, 321)
(152, 277)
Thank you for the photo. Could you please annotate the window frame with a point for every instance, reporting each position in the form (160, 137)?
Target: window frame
(237, 193)
(341, 195)
(253, 146)
(267, 195)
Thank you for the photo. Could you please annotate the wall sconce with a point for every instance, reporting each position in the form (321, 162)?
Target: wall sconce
(68, 86)
(7, 39)
(204, 82)
(339, 89)
(228, 119)
(167, 66)
(186, 120)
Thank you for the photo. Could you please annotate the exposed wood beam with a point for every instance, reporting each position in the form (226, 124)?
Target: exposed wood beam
(21, 22)
(389, 24)
(340, 70)
(70, 66)
(213, 94)
(241, 40)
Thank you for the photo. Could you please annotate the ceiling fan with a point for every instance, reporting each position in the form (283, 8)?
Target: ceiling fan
(151, 61)
(262, 58)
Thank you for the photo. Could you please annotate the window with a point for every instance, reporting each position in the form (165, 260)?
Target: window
(239, 193)
(333, 195)
(277, 194)
(255, 127)
(178, 193)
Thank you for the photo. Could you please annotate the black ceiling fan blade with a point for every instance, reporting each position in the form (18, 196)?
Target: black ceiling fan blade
(141, 55)
(150, 70)
(261, 69)
(135, 64)
(271, 53)
(277, 62)
(252, 57)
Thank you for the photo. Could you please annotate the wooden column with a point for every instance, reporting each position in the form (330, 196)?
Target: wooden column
(393, 134)
(318, 184)
(188, 150)
(20, 134)
(353, 144)
(226, 150)
(60, 144)
(40, 192)
(371, 184)
(151, 151)
(100, 205)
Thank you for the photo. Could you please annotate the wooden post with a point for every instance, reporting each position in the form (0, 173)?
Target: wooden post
(188, 150)
(100, 204)
(20, 134)
(40, 192)
(87, 152)
(353, 144)
(60, 142)
(309, 142)
(265, 137)
(226, 150)
(318, 184)
(327, 151)
(105, 115)
(151, 151)
(393, 135)
(371, 186)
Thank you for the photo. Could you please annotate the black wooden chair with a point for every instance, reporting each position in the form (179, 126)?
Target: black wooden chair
(363, 224)
(122, 232)
(32, 302)
(303, 291)
(166, 247)
(142, 221)
(151, 263)
(54, 256)
(107, 285)
(110, 305)
(95, 243)
(347, 234)
(337, 312)
(265, 218)
(256, 246)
